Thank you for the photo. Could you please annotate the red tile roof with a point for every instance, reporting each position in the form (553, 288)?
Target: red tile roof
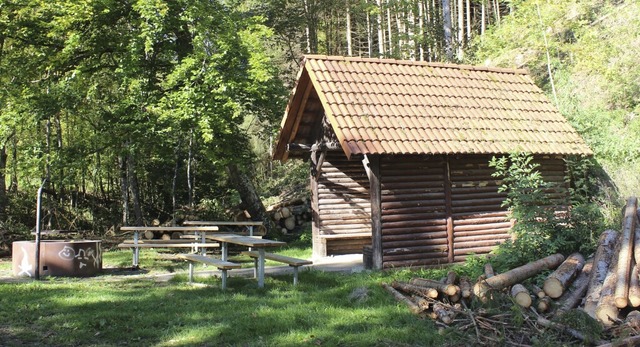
(382, 106)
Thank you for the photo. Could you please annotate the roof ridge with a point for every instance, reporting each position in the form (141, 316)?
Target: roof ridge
(418, 63)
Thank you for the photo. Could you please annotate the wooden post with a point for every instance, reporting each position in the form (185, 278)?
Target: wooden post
(448, 210)
(372, 164)
(319, 249)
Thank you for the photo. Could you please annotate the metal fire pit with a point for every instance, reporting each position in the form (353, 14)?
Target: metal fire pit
(75, 258)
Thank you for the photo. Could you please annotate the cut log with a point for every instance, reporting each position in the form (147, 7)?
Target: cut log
(634, 286)
(538, 291)
(421, 302)
(148, 234)
(601, 263)
(545, 304)
(442, 313)
(488, 270)
(290, 223)
(400, 297)
(521, 295)
(632, 321)
(516, 275)
(418, 290)
(465, 287)
(621, 294)
(452, 276)
(575, 294)
(285, 212)
(606, 311)
(558, 281)
(447, 289)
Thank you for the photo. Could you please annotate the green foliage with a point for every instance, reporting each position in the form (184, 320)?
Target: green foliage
(541, 229)
(594, 49)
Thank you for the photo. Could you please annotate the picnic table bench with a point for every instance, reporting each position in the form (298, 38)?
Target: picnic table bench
(136, 244)
(222, 265)
(293, 262)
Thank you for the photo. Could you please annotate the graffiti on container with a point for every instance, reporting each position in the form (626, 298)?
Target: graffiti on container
(25, 267)
(83, 256)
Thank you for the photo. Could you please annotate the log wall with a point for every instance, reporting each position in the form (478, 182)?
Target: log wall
(414, 218)
(435, 209)
(343, 205)
(479, 221)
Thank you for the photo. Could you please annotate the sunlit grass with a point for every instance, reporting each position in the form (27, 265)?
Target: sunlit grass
(141, 311)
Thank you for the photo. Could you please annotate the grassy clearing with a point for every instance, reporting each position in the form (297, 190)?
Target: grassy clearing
(110, 310)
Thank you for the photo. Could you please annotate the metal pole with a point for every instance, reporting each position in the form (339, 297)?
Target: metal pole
(38, 208)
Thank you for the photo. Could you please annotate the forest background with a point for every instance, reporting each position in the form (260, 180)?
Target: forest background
(144, 110)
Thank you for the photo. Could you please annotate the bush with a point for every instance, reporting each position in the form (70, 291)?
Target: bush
(541, 229)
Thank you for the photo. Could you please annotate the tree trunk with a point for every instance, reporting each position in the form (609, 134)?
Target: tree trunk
(601, 264)
(447, 289)
(124, 189)
(544, 304)
(348, 31)
(519, 274)
(460, 29)
(446, 20)
(577, 290)
(426, 292)
(190, 169)
(250, 199)
(3, 186)
(135, 189)
(380, 30)
(634, 287)
(606, 311)
(538, 291)
(399, 297)
(521, 295)
(626, 252)
(559, 280)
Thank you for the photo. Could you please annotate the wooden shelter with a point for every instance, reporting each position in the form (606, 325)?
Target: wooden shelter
(399, 154)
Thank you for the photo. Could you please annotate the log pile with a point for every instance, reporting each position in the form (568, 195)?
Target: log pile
(290, 214)
(605, 287)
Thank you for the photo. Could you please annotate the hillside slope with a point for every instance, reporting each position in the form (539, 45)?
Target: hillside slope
(594, 55)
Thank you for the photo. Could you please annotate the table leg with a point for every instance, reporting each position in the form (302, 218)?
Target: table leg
(136, 250)
(261, 267)
(203, 250)
(223, 245)
(250, 227)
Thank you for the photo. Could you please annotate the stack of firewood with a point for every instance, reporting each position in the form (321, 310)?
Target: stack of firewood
(606, 287)
(290, 214)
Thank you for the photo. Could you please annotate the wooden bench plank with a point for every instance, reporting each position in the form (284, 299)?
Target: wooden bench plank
(220, 264)
(293, 262)
(345, 236)
(168, 245)
(279, 258)
(223, 265)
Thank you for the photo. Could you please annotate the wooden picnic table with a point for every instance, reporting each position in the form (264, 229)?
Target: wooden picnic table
(137, 229)
(248, 241)
(248, 224)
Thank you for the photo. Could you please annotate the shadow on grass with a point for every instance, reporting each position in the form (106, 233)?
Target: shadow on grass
(321, 310)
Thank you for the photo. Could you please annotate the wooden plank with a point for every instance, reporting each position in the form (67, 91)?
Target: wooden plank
(346, 236)
(163, 228)
(169, 245)
(221, 264)
(279, 258)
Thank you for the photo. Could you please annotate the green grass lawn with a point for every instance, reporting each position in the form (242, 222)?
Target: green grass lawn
(111, 310)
